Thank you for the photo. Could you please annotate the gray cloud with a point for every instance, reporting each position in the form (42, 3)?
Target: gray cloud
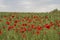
(29, 5)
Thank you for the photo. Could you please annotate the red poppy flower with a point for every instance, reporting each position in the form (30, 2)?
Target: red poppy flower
(0, 31)
(39, 28)
(32, 26)
(10, 27)
(14, 24)
(47, 26)
(12, 16)
(29, 20)
(35, 16)
(5, 16)
(15, 21)
(8, 23)
(21, 31)
(24, 24)
(24, 29)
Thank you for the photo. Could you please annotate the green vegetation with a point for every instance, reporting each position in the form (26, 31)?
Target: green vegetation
(30, 26)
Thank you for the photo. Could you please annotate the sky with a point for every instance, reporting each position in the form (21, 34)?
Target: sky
(28, 5)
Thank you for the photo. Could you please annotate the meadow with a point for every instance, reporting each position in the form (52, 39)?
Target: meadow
(29, 26)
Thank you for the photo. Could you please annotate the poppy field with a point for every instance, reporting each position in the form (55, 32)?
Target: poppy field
(29, 26)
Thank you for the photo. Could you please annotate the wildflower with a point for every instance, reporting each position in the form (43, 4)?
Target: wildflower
(39, 28)
(5, 16)
(0, 31)
(47, 26)
(14, 24)
(12, 16)
(35, 16)
(15, 21)
(32, 26)
(8, 23)
(10, 27)
(24, 29)
(29, 20)
(24, 24)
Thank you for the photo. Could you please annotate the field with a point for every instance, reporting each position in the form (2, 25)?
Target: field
(29, 26)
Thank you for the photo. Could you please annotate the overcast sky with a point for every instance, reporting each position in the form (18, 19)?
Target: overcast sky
(29, 5)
